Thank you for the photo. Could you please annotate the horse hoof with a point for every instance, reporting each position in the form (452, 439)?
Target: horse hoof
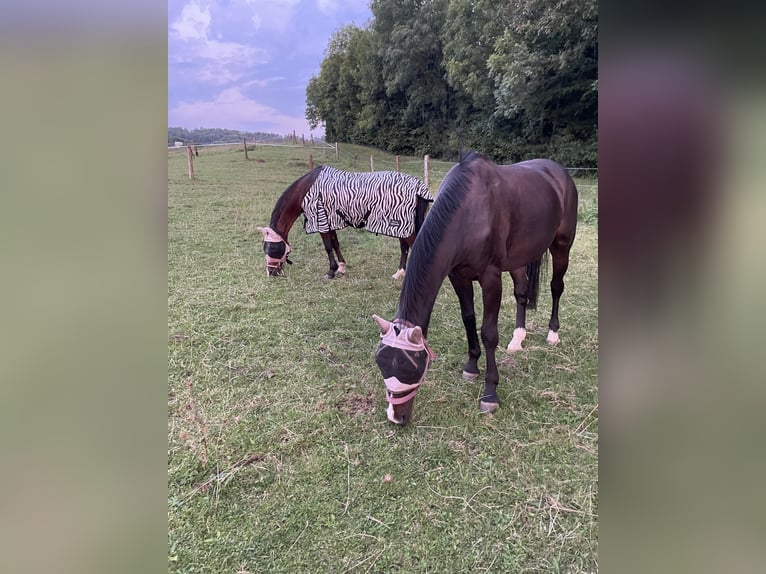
(469, 376)
(398, 275)
(341, 268)
(328, 276)
(553, 338)
(487, 408)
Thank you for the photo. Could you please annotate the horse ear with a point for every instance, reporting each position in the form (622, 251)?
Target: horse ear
(383, 324)
(415, 336)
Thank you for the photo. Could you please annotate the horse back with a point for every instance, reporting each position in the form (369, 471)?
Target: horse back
(534, 203)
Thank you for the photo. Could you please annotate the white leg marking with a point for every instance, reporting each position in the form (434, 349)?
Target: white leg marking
(553, 338)
(398, 275)
(341, 267)
(519, 334)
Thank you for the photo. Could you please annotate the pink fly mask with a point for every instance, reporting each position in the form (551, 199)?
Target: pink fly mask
(271, 236)
(408, 338)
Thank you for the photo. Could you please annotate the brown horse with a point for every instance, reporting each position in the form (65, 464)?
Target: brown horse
(486, 219)
(384, 202)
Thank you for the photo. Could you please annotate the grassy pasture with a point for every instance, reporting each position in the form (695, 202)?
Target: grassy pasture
(278, 443)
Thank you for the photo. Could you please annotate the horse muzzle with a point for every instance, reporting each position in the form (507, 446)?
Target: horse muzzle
(400, 397)
(275, 267)
(401, 418)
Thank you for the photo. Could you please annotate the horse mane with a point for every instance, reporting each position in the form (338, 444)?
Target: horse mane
(452, 192)
(300, 185)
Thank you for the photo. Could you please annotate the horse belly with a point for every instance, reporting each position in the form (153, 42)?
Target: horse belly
(524, 248)
(398, 222)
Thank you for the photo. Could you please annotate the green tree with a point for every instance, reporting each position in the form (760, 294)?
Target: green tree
(409, 45)
(511, 78)
(544, 67)
(332, 97)
(469, 35)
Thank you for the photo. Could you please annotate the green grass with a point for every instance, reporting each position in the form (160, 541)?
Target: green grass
(278, 442)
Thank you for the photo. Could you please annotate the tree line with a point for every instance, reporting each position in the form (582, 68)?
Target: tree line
(214, 135)
(513, 79)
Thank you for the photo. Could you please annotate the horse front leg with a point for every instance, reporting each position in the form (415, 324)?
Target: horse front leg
(492, 292)
(464, 291)
(404, 246)
(520, 286)
(336, 247)
(327, 240)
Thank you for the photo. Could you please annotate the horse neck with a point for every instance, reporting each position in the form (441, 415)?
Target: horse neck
(420, 289)
(282, 222)
(290, 204)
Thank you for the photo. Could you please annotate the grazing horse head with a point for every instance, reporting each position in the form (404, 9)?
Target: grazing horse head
(403, 358)
(276, 250)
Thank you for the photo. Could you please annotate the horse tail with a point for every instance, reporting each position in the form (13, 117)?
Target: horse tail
(421, 209)
(533, 279)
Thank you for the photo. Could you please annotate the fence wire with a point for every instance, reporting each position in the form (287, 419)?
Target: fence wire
(437, 169)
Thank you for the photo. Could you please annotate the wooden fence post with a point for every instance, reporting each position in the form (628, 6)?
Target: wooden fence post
(312, 140)
(397, 164)
(244, 144)
(190, 160)
(311, 162)
(426, 158)
(295, 139)
(372, 164)
(303, 140)
(337, 151)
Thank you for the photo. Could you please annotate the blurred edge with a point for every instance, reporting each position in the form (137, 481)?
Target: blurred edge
(681, 209)
(83, 236)
(82, 229)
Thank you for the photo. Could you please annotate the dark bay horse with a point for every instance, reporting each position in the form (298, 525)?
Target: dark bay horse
(486, 219)
(384, 202)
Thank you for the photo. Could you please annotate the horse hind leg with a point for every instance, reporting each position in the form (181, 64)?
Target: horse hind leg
(404, 246)
(560, 254)
(520, 286)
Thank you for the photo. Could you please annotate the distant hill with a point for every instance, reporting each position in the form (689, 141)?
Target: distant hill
(216, 135)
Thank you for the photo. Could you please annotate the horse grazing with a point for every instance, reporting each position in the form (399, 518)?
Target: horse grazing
(486, 219)
(385, 202)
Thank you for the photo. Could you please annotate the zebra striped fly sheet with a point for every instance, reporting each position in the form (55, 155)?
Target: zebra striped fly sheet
(383, 202)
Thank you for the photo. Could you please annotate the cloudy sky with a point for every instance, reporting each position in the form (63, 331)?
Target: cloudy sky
(245, 64)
